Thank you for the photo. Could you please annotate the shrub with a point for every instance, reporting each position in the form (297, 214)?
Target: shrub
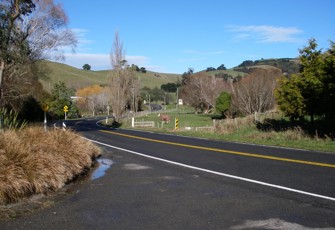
(33, 161)
(9, 120)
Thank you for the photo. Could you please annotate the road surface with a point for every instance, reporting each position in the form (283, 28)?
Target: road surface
(169, 182)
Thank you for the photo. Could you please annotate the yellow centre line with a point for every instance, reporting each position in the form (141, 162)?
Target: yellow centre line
(224, 151)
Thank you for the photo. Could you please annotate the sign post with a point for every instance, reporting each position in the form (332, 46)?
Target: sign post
(65, 109)
(45, 108)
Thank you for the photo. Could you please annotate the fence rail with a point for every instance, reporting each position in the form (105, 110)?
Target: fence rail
(205, 128)
(143, 124)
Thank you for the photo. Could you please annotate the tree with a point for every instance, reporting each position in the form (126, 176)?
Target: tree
(328, 96)
(92, 98)
(135, 68)
(312, 91)
(157, 94)
(60, 97)
(123, 85)
(170, 87)
(289, 97)
(221, 67)
(255, 92)
(201, 91)
(143, 70)
(222, 103)
(186, 76)
(246, 63)
(30, 31)
(86, 67)
(311, 78)
(210, 69)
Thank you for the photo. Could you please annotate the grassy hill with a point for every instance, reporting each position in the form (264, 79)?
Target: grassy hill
(286, 65)
(78, 78)
(230, 72)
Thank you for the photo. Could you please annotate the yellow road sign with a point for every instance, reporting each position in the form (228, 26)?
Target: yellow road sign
(45, 107)
(65, 108)
(176, 123)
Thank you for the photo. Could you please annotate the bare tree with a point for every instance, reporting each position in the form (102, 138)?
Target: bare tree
(30, 31)
(201, 91)
(255, 92)
(122, 84)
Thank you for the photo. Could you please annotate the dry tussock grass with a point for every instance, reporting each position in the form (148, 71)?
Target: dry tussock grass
(33, 161)
(229, 125)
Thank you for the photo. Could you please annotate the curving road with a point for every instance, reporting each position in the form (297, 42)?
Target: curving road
(170, 182)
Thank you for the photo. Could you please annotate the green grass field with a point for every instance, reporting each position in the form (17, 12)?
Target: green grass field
(240, 130)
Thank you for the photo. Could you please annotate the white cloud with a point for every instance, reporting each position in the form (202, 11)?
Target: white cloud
(96, 61)
(266, 34)
(137, 60)
(83, 42)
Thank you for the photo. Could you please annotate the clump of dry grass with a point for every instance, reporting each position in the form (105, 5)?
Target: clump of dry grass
(229, 125)
(33, 161)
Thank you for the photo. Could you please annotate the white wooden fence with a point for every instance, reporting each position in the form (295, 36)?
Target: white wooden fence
(205, 129)
(142, 123)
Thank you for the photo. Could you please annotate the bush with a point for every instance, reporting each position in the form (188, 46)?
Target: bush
(9, 120)
(34, 162)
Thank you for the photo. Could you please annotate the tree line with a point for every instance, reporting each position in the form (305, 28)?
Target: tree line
(248, 94)
(309, 92)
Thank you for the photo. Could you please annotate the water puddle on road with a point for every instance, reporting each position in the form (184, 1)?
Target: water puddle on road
(104, 165)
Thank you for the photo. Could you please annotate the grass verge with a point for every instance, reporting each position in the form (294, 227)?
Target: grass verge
(246, 130)
(33, 161)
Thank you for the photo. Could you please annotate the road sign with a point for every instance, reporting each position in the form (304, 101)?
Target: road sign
(176, 123)
(66, 109)
(45, 107)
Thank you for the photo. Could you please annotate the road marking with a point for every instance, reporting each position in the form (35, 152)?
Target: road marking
(218, 173)
(226, 151)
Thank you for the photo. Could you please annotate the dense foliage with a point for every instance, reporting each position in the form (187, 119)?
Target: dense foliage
(30, 31)
(170, 87)
(86, 67)
(223, 103)
(60, 97)
(312, 91)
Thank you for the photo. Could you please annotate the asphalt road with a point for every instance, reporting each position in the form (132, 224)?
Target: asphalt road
(170, 182)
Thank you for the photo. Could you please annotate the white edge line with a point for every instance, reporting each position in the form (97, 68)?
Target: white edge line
(217, 173)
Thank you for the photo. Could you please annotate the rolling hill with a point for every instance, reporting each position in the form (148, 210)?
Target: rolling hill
(286, 65)
(78, 78)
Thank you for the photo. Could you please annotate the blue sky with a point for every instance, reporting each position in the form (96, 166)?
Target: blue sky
(173, 35)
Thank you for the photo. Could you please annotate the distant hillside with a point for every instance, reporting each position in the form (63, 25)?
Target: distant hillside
(78, 78)
(286, 65)
(231, 72)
